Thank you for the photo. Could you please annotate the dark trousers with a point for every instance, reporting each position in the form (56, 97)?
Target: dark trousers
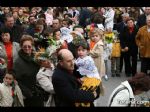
(133, 64)
(34, 101)
(130, 62)
(145, 65)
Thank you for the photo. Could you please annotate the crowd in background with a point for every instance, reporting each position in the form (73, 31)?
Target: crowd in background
(31, 39)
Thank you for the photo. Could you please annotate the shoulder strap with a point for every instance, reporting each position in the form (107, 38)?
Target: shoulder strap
(120, 89)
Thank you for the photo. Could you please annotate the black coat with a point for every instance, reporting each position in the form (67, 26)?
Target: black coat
(128, 40)
(141, 20)
(26, 70)
(67, 89)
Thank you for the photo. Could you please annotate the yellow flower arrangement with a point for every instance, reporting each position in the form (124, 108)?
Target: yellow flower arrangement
(109, 36)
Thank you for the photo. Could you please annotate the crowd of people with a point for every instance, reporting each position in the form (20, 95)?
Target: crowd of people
(58, 56)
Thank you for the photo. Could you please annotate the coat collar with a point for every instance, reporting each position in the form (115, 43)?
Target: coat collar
(126, 84)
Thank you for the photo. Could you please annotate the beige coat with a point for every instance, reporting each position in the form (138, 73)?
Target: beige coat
(143, 42)
(97, 55)
(44, 78)
(6, 98)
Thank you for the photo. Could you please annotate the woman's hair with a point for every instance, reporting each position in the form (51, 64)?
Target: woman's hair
(140, 81)
(5, 30)
(26, 38)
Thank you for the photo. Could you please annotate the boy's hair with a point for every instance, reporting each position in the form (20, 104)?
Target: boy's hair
(11, 72)
(83, 43)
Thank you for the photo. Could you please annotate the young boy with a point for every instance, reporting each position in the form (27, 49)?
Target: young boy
(115, 56)
(10, 93)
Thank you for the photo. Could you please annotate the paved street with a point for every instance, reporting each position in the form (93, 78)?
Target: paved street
(110, 85)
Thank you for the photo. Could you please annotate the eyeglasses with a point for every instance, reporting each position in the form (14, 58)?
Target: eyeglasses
(27, 46)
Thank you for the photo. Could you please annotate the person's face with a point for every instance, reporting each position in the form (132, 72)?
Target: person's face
(5, 37)
(27, 47)
(33, 13)
(55, 24)
(10, 22)
(39, 28)
(67, 62)
(148, 21)
(20, 12)
(147, 10)
(82, 52)
(124, 18)
(130, 23)
(96, 37)
(6, 10)
(45, 63)
(64, 24)
(57, 35)
(8, 79)
(32, 20)
(15, 15)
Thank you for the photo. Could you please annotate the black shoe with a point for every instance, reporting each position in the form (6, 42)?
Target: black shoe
(118, 75)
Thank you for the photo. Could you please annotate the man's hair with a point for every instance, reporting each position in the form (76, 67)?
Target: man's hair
(9, 15)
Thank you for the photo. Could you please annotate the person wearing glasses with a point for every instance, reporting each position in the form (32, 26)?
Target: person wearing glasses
(8, 52)
(26, 69)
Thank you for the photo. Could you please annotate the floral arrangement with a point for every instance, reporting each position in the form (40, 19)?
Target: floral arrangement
(90, 28)
(39, 36)
(110, 36)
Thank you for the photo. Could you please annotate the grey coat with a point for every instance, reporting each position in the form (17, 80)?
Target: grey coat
(16, 48)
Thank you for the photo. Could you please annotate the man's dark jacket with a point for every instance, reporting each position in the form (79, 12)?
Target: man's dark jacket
(67, 89)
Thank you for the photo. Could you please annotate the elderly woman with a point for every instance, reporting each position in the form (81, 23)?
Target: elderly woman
(124, 94)
(8, 52)
(26, 69)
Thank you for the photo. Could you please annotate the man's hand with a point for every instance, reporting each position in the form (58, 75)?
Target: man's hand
(126, 49)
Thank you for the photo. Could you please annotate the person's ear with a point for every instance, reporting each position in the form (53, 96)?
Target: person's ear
(60, 62)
